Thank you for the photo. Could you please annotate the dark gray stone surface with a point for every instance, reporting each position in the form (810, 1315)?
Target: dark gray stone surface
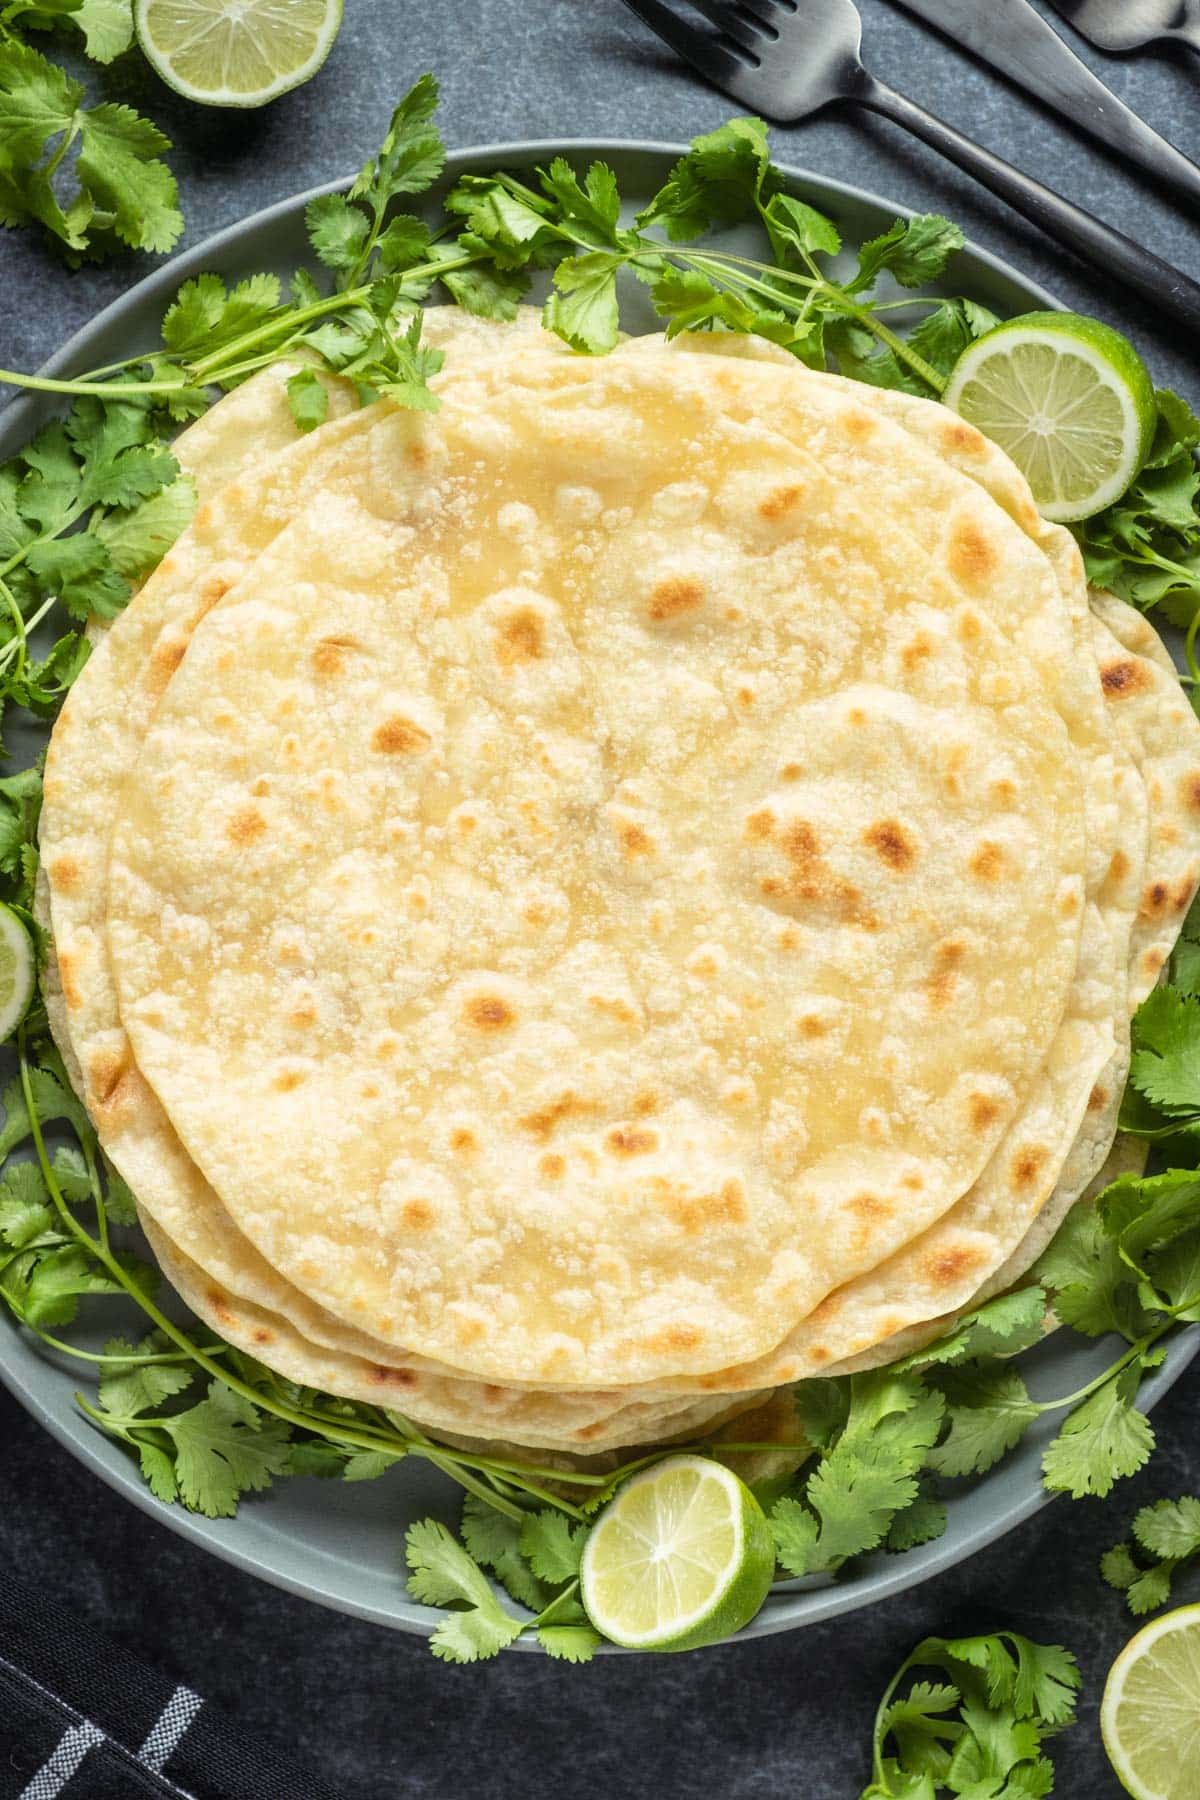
(788, 1716)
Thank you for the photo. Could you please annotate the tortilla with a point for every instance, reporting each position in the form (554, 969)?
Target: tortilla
(585, 1288)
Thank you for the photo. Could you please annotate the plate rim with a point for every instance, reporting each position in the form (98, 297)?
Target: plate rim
(215, 1536)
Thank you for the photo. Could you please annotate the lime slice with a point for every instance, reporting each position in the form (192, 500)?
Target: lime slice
(1068, 398)
(1150, 1713)
(236, 52)
(16, 971)
(682, 1556)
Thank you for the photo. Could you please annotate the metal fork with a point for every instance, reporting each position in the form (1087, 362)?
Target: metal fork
(789, 58)
(1129, 24)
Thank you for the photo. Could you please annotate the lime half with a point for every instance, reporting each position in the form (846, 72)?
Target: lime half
(1150, 1713)
(236, 52)
(1068, 398)
(680, 1557)
(16, 971)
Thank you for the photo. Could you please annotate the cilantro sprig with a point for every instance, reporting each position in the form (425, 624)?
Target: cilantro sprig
(92, 176)
(980, 1733)
(1166, 1539)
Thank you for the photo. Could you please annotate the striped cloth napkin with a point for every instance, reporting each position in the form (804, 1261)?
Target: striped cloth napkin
(82, 1719)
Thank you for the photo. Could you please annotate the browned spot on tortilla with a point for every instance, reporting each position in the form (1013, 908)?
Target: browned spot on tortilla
(812, 1025)
(217, 1301)
(972, 555)
(760, 824)
(1155, 900)
(65, 872)
(699, 1212)
(1153, 961)
(417, 1214)
(1003, 791)
(789, 938)
(791, 771)
(948, 1266)
(1028, 1164)
(819, 1355)
(1190, 789)
(488, 1012)
(1097, 1099)
(202, 516)
(400, 737)
(405, 1378)
(288, 1080)
(673, 598)
(165, 658)
(634, 839)
(675, 1337)
(646, 1104)
(519, 638)
(916, 650)
(983, 1110)
(552, 1166)
(614, 1007)
(67, 981)
(956, 434)
(987, 860)
(1183, 893)
(870, 1207)
(586, 1432)
(330, 653)
(914, 1181)
(1124, 677)
(246, 824)
(262, 1336)
(568, 1106)
(214, 588)
(463, 1142)
(1070, 903)
(1119, 866)
(809, 880)
(892, 843)
(857, 424)
(631, 1140)
(780, 501)
(942, 979)
(107, 1070)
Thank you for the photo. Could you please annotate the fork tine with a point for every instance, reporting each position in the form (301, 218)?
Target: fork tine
(717, 63)
(732, 21)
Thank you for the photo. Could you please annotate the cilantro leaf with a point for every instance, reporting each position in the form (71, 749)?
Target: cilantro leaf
(584, 310)
(724, 177)
(308, 399)
(225, 1448)
(137, 538)
(865, 1479)
(26, 1215)
(988, 1411)
(494, 1540)
(569, 1643)
(1169, 1527)
(442, 1573)
(912, 251)
(553, 1546)
(132, 1386)
(1102, 1441)
(1006, 1325)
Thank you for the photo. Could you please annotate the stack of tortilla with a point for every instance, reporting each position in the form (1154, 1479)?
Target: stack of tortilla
(580, 909)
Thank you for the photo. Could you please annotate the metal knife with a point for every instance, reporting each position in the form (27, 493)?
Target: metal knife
(1013, 37)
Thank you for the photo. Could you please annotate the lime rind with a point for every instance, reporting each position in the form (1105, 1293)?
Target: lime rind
(1150, 1712)
(1069, 399)
(18, 971)
(681, 1557)
(237, 53)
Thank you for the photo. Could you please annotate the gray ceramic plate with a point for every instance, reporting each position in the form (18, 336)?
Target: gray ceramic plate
(341, 1545)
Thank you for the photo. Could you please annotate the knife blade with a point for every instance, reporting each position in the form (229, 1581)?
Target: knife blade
(1011, 36)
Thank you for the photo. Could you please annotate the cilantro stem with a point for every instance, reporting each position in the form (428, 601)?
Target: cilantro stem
(1189, 645)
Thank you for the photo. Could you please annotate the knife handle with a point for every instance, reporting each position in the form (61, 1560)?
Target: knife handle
(1109, 250)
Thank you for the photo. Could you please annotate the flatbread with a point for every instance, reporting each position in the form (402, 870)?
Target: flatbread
(515, 1316)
